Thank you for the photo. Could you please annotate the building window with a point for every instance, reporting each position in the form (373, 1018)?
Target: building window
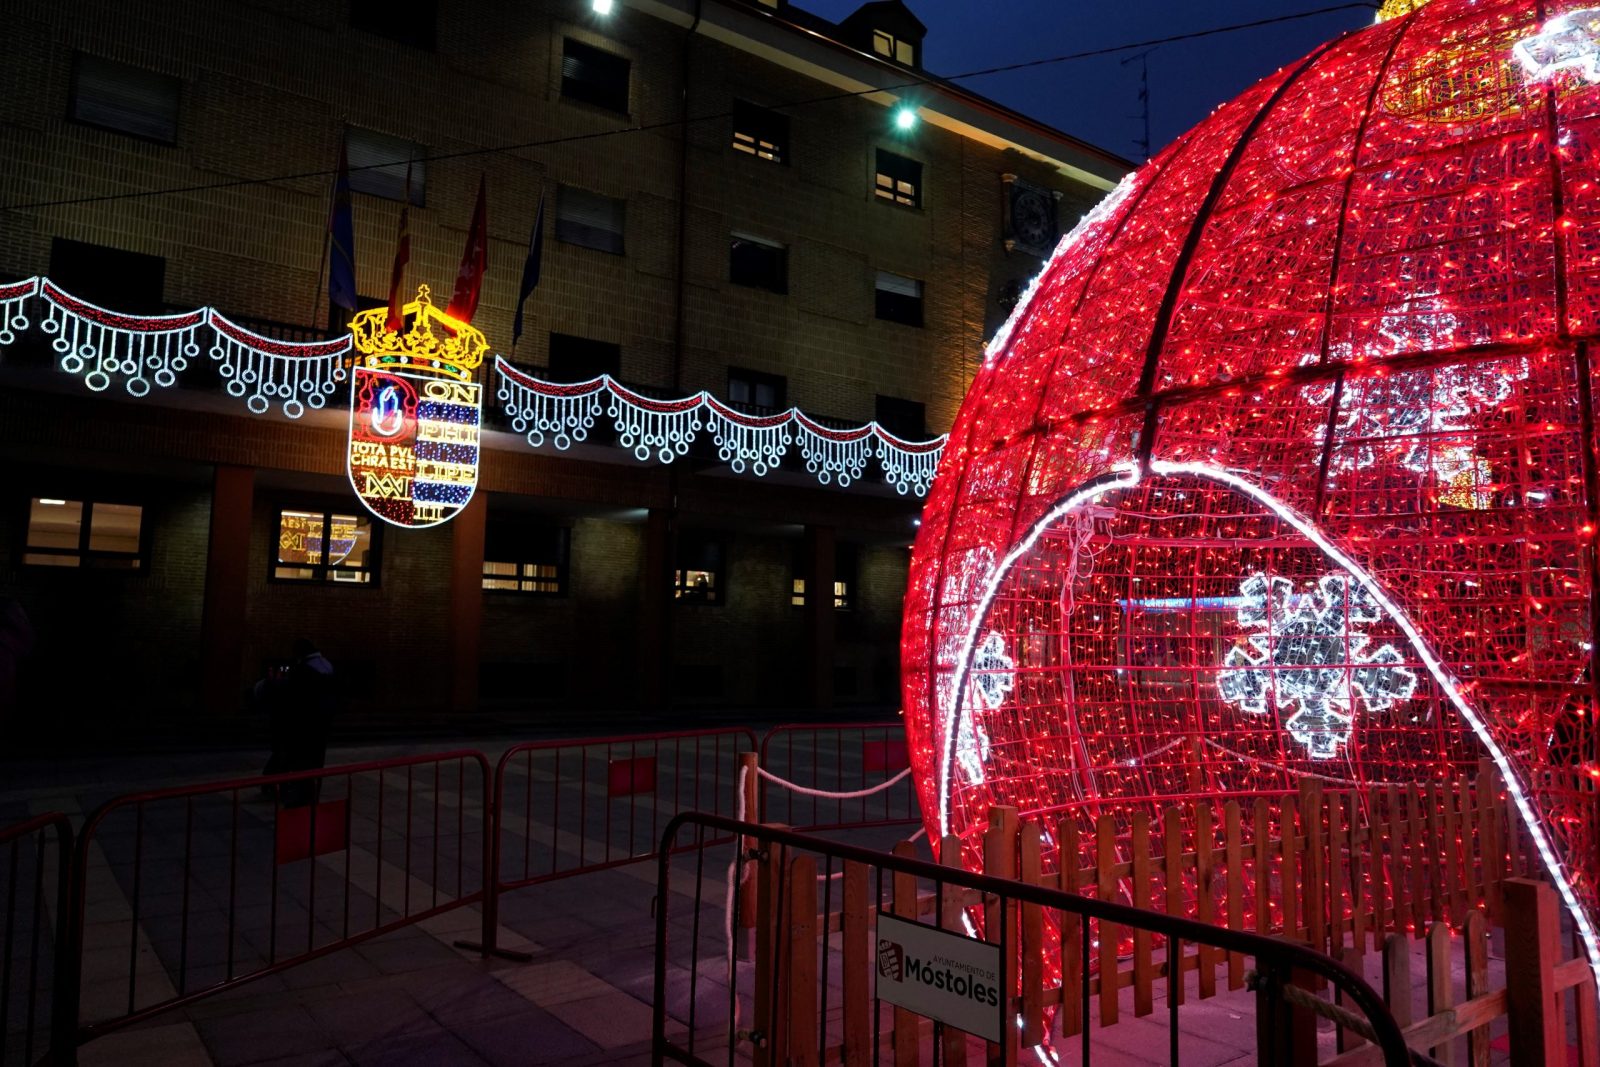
(905, 419)
(749, 389)
(899, 299)
(578, 359)
(589, 219)
(846, 559)
(698, 577)
(760, 132)
(130, 282)
(891, 47)
(84, 533)
(115, 96)
(758, 263)
(379, 164)
(526, 557)
(899, 179)
(411, 22)
(594, 76)
(325, 546)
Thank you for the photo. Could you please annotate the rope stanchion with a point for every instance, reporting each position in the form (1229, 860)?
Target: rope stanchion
(736, 881)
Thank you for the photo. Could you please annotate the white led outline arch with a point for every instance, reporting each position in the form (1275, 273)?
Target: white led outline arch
(1126, 476)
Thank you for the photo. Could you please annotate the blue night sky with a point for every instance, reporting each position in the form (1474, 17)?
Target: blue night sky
(1097, 99)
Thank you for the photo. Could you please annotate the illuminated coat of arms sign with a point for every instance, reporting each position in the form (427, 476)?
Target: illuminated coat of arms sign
(415, 414)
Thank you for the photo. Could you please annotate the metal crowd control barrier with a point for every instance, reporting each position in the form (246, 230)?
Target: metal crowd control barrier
(33, 937)
(804, 951)
(171, 895)
(837, 758)
(180, 893)
(570, 806)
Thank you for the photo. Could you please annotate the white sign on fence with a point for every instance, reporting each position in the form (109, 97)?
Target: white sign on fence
(942, 975)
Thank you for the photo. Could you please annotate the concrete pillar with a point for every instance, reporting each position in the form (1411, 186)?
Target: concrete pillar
(466, 601)
(655, 610)
(222, 620)
(819, 552)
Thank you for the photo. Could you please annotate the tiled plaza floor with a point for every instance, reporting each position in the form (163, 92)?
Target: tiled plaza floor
(411, 996)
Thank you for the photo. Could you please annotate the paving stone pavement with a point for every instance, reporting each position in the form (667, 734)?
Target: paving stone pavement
(411, 996)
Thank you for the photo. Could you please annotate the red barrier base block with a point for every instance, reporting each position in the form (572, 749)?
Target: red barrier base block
(295, 825)
(626, 777)
(885, 757)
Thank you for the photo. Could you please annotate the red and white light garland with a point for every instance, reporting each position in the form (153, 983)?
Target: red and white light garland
(562, 414)
(141, 352)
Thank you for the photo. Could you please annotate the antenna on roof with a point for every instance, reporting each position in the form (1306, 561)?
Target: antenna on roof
(1143, 59)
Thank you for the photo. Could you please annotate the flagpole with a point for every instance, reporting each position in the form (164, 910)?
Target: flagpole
(327, 243)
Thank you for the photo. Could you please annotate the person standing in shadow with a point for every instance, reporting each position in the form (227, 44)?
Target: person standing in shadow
(301, 699)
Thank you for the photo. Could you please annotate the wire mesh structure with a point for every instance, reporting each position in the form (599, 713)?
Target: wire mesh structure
(1285, 465)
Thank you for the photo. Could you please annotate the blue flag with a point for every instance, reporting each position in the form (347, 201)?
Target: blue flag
(342, 244)
(530, 268)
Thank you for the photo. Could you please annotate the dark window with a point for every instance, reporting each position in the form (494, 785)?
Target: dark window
(526, 557)
(594, 76)
(115, 96)
(325, 546)
(758, 264)
(412, 22)
(84, 533)
(899, 299)
(578, 359)
(846, 562)
(905, 419)
(760, 132)
(122, 281)
(339, 318)
(379, 164)
(589, 219)
(899, 179)
(698, 576)
(752, 389)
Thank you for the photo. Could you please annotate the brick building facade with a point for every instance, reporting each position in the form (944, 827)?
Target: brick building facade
(136, 140)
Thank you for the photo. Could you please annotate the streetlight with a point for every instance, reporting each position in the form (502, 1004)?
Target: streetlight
(904, 117)
(602, 7)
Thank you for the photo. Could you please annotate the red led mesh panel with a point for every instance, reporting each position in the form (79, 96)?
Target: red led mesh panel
(1286, 468)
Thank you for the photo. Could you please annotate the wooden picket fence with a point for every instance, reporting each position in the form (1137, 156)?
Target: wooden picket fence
(1364, 872)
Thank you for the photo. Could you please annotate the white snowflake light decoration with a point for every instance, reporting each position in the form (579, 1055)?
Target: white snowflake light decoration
(994, 675)
(1304, 655)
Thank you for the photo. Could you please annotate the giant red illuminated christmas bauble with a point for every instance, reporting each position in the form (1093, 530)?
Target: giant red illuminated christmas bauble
(1285, 467)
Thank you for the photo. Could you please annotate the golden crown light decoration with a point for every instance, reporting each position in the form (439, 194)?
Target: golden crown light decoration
(415, 414)
(434, 343)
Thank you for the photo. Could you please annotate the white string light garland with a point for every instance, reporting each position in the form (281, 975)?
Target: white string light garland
(561, 414)
(142, 352)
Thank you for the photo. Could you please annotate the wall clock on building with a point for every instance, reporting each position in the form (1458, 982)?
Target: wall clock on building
(1031, 217)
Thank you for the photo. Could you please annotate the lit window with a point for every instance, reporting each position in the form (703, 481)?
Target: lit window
(846, 559)
(899, 299)
(899, 179)
(593, 76)
(378, 165)
(325, 546)
(760, 132)
(115, 96)
(589, 219)
(84, 533)
(891, 47)
(698, 577)
(765, 393)
(758, 263)
(526, 558)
